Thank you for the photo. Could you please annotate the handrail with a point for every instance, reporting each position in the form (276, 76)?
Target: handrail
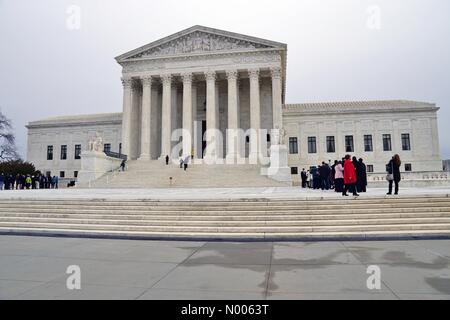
(116, 155)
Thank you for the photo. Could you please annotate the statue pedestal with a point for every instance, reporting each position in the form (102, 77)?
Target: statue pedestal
(94, 165)
(279, 169)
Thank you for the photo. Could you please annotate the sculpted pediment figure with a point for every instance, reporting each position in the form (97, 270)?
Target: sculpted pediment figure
(199, 39)
(199, 42)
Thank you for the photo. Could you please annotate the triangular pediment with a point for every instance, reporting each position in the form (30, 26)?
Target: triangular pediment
(199, 39)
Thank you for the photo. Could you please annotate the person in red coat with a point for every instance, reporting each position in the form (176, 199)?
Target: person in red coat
(350, 177)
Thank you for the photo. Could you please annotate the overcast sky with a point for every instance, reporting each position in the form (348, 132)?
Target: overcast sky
(337, 50)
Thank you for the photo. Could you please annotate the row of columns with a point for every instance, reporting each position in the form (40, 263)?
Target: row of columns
(189, 113)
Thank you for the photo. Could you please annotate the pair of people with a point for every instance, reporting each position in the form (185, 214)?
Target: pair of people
(184, 163)
(350, 176)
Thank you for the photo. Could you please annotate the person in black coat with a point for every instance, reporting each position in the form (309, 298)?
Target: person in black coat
(358, 170)
(362, 176)
(324, 172)
(393, 169)
(304, 177)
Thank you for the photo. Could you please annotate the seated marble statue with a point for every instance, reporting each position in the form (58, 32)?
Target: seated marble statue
(96, 144)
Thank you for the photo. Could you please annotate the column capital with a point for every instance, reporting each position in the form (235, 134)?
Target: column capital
(276, 73)
(210, 76)
(253, 73)
(187, 77)
(147, 81)
(166, 79)
(232, 75)
(127, 82)
(135, 85)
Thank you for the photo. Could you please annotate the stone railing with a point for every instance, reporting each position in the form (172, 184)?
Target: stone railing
(413, 179)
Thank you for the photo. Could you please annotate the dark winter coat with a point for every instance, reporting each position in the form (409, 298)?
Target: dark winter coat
(393, 168)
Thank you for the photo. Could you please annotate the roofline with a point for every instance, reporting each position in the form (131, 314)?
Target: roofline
(356, 107)
(355, 102)
(275, 44)
(79, 120)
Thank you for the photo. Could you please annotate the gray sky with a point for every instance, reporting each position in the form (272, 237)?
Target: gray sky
(335, 50)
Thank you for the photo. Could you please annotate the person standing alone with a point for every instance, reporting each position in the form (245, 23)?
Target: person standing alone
(304, 177)
(394, 176)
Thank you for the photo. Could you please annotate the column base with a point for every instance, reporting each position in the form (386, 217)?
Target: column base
(235, 158)
(144, 158)
(253, 158)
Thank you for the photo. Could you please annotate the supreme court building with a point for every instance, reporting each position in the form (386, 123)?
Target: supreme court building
(213, 94)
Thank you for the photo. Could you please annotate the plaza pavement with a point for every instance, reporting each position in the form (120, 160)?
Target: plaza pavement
(294, 193)
(35, 268)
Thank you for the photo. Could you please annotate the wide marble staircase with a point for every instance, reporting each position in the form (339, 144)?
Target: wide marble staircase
(156, 174)
(244, 219)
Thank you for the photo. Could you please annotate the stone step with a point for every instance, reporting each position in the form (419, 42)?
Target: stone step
(224, 224)
(194, 212)
(268, 236)
(238, 202)
(240, 230)
(156, 174)
(228, 219)
(306, 205)
(253, 217)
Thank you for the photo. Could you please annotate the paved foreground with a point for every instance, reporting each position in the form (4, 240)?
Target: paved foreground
(35, 268)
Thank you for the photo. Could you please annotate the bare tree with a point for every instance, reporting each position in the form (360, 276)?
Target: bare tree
(8, 150)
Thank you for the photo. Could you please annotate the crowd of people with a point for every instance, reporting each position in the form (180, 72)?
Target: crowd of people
(348, 175)
(26, 182)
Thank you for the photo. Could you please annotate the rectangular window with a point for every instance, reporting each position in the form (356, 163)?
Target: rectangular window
(349, 147)
(293, 146)
(294, 170)
(62, 174)
(408, 167)
(49, 152)
(368, 143)
(75, 174)
(387, 143)
(77, 151)
(312, 146)
(370, 168)
(406, 142)
(107, 147)
(64, 152)
(331, 145)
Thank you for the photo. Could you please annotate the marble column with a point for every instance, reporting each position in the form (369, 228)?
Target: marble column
(255, 115)
(196, 125)
(233, 136)
(135, 134)
(277, 96)
(146, 118)
(212, 110)
(126, 120)
(166, 126)
(187, 114)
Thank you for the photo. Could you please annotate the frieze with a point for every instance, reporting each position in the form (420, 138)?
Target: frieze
(235, 58)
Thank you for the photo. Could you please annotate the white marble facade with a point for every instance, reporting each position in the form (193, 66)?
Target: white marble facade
(222, 80)
(201, 78)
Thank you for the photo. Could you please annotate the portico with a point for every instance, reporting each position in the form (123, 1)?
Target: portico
(202, 92)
